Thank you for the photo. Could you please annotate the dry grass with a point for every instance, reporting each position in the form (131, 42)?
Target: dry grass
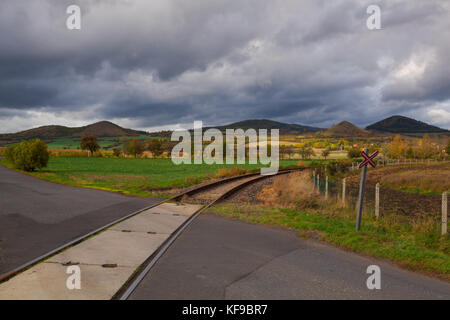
(294, 190)
(193, 180)
(235, 171)
(301, 163)
(433, 178)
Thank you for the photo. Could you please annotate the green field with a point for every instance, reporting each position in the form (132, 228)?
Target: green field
(139, 177)
(104, 143)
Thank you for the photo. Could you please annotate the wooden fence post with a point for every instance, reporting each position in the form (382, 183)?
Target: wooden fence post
(318, 183)
(314, 180)
(326, 187)
(444, 213)
(343, 192)
(377, 200)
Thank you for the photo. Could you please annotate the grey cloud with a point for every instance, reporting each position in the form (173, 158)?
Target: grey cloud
(174, 61)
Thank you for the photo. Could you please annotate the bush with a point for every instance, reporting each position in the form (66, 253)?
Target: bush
(117, 152)
(354, 153)
(28, 155)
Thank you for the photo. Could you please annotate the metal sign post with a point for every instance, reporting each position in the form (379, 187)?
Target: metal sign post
(367, 160)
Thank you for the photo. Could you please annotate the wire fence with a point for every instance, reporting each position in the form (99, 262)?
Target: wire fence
(388, 202)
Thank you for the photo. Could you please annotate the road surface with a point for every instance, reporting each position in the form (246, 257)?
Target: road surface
(220, 258)
(37, 216)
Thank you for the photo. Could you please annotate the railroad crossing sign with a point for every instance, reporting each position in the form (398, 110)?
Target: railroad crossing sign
(363, 165)
(368, 159)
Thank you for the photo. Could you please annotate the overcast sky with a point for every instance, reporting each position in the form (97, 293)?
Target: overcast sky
(165, 63)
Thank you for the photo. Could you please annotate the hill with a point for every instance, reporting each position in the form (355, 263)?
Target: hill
(285, 128)
(401, 124)
(344, 129)
(99, 129)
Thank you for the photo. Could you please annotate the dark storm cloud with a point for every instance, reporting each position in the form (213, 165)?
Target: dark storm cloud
(156, 63)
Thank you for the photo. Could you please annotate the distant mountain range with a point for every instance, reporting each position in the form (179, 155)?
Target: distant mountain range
(400, 124)
(392, 125)
(99, 129)
(285, 128)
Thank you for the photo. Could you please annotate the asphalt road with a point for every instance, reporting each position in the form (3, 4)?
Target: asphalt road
(37, 216)
(219, 258)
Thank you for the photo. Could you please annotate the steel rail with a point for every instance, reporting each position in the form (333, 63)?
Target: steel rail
(9, 274)
(134, 281)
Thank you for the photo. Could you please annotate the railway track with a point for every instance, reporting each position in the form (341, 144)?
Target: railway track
(104, 252)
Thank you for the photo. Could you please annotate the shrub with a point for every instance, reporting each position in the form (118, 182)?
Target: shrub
(28, 155)
(354, 153)
(117, 152)
(338, 167)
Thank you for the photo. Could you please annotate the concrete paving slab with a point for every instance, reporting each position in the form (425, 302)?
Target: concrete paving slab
(148, 222)
(174, 208)
(127, 249)
(47, 281)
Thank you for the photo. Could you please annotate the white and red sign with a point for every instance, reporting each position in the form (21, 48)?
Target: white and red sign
(368, 159)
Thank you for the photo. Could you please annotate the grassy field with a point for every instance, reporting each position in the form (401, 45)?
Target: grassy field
(139, 177)
(74, 143)
(431, 178)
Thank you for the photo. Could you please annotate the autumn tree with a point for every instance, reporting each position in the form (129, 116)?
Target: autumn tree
(425, 148)
(283, 152)
(89, 143)
(306, 152)
(410, 153)
(325, 153)
(397, 148)
(155, 147)
(117, 152)
(290, 151)
(134, 147)
(286, 150)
